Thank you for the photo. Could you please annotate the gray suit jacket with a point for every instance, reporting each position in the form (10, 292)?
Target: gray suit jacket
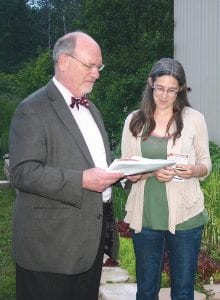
(57, 224)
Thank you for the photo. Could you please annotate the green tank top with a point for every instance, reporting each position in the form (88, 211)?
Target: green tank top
(155, 212)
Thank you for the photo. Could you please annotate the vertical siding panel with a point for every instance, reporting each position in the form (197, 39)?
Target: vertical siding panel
(197, 47)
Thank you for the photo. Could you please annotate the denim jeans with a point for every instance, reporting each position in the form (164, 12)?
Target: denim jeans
(183, 250)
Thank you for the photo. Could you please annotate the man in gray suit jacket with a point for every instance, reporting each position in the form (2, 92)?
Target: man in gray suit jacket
(59, 151)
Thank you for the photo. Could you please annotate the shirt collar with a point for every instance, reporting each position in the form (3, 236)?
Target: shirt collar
(63, 90)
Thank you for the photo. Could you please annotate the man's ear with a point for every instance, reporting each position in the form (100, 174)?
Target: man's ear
(150, 82)
(63, 62)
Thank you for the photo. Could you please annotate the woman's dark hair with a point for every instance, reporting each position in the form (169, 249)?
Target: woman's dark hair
(145, 116)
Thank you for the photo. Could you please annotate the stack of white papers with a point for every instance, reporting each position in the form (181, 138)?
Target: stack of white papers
(136, 165)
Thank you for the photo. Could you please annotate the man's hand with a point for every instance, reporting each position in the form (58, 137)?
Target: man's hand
(98, 180)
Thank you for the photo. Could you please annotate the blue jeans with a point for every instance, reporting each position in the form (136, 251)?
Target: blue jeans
(183, 250)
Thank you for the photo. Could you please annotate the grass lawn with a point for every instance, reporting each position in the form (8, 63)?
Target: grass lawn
(7, 269)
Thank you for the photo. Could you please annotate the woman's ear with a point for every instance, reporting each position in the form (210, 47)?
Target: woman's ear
(182, 88)
(150, 82)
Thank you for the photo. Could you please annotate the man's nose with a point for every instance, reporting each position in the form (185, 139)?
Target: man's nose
(95, 72)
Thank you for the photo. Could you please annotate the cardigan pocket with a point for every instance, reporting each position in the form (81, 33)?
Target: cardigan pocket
(191, 192)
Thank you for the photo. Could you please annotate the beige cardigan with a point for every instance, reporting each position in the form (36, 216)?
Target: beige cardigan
(185, 199)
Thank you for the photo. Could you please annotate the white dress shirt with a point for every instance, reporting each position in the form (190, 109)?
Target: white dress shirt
(90, 132)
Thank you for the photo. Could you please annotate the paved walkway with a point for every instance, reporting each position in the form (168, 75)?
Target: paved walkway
(116, 284)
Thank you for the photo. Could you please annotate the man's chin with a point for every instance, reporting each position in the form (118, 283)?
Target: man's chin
(89, 88)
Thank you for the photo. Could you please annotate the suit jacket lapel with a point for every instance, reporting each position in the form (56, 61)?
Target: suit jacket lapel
(65, 116)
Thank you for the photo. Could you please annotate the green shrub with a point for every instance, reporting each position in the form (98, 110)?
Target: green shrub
(211, 189)
(7, 107)
(120, 197)
(126, 256)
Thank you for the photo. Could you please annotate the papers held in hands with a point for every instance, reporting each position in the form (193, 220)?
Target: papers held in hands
(136, 165)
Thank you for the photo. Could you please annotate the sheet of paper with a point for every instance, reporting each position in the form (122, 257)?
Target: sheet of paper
(178, 158)
(136, 165)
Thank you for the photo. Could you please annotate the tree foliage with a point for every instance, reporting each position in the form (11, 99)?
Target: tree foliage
(15, 35)
(132, 34)
(29, 27)
(34, 74)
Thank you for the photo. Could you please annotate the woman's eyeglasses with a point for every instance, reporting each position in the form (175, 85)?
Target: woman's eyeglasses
(160, 90)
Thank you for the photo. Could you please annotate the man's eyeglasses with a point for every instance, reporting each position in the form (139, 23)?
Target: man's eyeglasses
(160, 90)
(88, 67)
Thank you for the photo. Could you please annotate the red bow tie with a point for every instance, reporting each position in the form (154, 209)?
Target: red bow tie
(79, 101)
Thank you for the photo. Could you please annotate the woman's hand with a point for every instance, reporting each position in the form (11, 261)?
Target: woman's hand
(134, 178)
(185, 171)
(165, 175)
(190, 171)
(137, 177)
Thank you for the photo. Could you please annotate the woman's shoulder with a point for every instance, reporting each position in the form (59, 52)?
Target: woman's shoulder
(128, 120)
(131, 114)
(189, 112)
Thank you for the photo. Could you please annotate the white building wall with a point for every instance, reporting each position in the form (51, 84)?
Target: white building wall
(197, 47)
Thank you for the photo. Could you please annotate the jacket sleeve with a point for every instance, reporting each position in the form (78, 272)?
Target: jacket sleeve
(201, 144)
(30, 169)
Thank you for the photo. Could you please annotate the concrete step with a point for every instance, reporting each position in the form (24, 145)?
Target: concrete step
(127, 291)
(214, 291)
(116, 284)
(115, 275)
